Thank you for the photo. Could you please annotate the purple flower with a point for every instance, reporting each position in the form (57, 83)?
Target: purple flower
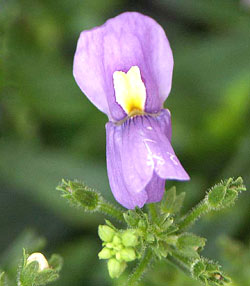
(125, 68)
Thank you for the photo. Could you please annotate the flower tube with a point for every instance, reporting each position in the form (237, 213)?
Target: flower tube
(125, 69)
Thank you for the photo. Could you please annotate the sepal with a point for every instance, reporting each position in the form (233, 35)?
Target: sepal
(171, 202)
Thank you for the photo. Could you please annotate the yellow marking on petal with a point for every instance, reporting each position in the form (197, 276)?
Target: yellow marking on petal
(130, 91)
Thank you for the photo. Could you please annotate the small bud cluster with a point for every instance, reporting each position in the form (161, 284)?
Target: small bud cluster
(224, 194)
(209, 273)
(119, 247)
(80, 195)
(161, 234)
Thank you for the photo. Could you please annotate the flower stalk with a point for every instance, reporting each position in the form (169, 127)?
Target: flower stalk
(193, 215)
(90, 200)
(111, 210)
(140, 268)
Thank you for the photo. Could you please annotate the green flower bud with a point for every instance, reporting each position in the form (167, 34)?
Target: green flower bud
(209, 271)
(116, 240)
(106, 233)
(128, 254)
(80, 195)
(118, 256)
(216, 195)
(116, 267)
(105, 253)
(88, 199)
(129, 238)
(225, 194)
(230, 197)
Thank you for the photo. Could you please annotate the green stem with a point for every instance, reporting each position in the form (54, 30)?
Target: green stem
(176, 262)
(152, 211)
(193, 215)
(179, 261)
(111, 210)
(140, 268)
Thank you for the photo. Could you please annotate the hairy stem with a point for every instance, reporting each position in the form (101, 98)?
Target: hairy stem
(140, 268)
(178, 263)
(111, 210)
(193, 215)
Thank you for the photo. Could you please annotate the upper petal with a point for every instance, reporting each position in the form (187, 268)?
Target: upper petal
(130, 39)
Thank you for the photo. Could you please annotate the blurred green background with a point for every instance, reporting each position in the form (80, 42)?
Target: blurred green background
(49, 130)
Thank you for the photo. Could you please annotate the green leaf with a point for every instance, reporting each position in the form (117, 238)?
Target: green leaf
(29, 273)
(179, 202)
(168, 200)
(172, 203)
(45, 276)
(131, 218)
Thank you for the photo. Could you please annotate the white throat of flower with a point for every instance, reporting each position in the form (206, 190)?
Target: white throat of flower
(130, 91)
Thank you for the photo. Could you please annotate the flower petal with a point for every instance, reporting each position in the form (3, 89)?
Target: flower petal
(140, 158)
(155, 189)
(119, 188)
(158, 148)
(130, 39)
